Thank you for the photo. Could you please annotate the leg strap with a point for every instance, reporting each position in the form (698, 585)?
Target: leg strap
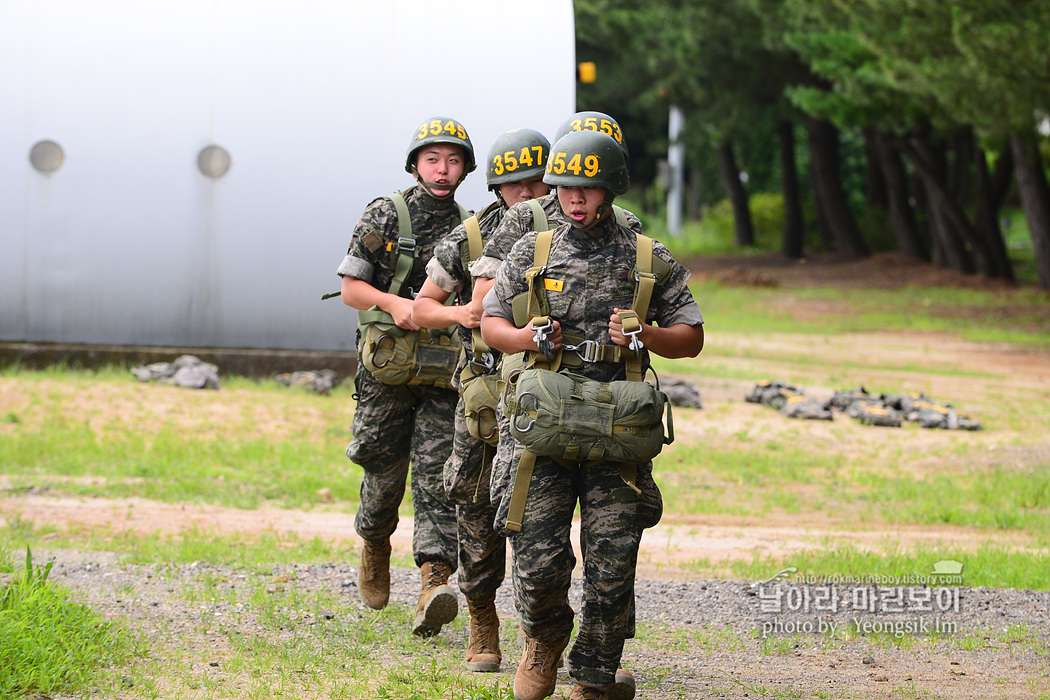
(516, 511)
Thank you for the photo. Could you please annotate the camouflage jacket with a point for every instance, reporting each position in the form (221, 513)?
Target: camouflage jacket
(594, 268)
(372, 254)
(516, 223)
(447, 269)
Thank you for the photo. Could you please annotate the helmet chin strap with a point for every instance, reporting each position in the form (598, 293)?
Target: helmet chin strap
(428, 186)
(603, 211)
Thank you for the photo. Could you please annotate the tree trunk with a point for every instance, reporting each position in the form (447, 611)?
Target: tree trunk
(875, 185)
(946, 217)
(693, 200)
(745, 232)
(794, 223)
(827, 186)
(902, 217)
(987, 221)
(1035, 200)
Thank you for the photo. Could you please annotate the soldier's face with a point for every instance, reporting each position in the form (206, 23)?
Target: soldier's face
(440, 164)
(523, 191)
(580, 204)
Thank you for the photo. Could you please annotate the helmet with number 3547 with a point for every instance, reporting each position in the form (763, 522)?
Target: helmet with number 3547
(595, 121)
(440, 130)
(519, 154)
(588, 159)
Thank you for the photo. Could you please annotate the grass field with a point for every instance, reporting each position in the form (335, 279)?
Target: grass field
(864, 500)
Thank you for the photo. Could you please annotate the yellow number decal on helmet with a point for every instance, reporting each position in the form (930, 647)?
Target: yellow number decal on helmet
(510, 160)
(497, 164)
(590, 165)
(605, 126)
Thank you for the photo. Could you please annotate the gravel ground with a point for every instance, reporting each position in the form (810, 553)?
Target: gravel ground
(702, 638)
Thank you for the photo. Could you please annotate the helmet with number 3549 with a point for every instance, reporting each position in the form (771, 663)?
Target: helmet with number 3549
(519, 154)
(588, 159)
(440, 130)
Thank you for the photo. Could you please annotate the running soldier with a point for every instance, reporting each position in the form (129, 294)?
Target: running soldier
(587, 287)
(395, 426)
(514, 171)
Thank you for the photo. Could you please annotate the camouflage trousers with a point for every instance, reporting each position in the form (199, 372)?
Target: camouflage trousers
(388, 436)
(482, 550)
(612, 518)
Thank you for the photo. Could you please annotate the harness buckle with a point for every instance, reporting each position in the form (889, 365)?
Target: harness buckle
(406, 245)
(482, 364)
(588, 350)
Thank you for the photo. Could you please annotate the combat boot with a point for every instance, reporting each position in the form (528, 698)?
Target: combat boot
(537, 674)
(589, 692)
(374, 578)
(623, 685)
(483, 653)
(437, 601)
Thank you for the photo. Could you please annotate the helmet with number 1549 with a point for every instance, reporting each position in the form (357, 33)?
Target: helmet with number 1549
(587, 159)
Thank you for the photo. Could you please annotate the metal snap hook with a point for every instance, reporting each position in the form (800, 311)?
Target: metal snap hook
(495, 429)
(518, 412)
(379, 343)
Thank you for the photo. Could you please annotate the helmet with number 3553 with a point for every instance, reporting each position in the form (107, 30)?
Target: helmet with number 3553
(519, 154)
(595, 121)
(440, 130)
(588, 159)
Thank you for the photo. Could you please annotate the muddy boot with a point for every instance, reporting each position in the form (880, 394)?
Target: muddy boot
(590, 692)
(537, 673)
(483, 654)
(437, 601)
(374, 578)
(623, 685)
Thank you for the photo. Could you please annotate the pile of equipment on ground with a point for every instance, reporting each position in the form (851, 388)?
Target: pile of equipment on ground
(887, 410)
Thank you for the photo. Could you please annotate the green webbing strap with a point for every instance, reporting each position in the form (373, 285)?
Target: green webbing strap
(643, 293)
(618, 214)
(475, 245)
(406, 247)
(463, 213)
(539, 217)
(540, 258)
(520, 494)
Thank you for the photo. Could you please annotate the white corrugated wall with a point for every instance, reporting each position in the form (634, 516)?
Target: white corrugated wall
(127, 242)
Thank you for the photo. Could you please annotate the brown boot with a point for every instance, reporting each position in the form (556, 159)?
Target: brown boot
(537, 673)
(483, 654)
(437, 601)
(374, 578)
(623, 685)
(589, 692)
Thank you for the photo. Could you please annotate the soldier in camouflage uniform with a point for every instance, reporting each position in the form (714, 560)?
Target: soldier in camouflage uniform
(516, 222)
(396, 426)
(590, 263)
(482, 550)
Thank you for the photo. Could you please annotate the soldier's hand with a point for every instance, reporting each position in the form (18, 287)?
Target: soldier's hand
(616, 328)
(468, 316)
(401, 310)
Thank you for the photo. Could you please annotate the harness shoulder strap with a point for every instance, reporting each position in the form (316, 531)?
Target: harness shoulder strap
(539, 217)
(618, 213)
(406, 244)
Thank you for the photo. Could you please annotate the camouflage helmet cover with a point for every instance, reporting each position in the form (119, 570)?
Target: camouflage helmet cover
(517, 155)
(440, 130)
(587, 159)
